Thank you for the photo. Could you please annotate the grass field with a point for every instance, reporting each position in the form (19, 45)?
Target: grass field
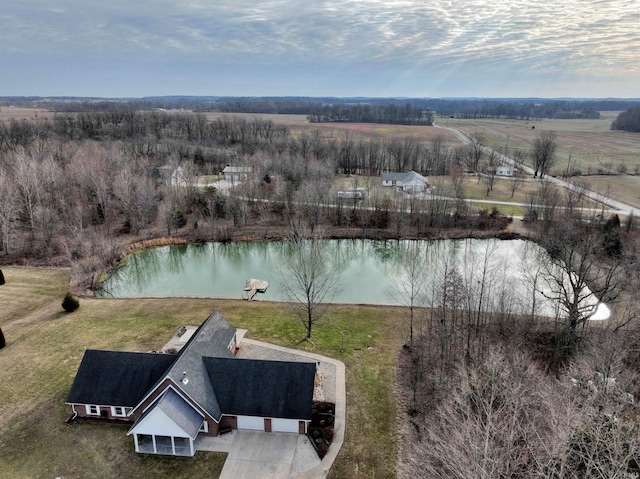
(590, 143)
(7, 113)
(623, 188)
(474, 189)
(40, 361)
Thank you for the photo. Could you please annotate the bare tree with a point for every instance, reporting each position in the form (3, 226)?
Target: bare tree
(498, 421)
(491, 170)
(474, 151)
(577, 273)
(410, 284)
(9, 209)
(310, 280)
(543, 152)
(516, 179)
(29, 184)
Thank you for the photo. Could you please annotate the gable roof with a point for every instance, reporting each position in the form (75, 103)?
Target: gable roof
(237, 169)
(205, 374)
(391, 176)
(212, 338)
(185, 418)
(117, 378)
(250, 387)
(403, 177)
(413, 176)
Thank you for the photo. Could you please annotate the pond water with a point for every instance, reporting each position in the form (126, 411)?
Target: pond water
(487, 274)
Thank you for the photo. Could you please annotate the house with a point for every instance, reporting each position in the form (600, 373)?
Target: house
(506, 170)
(170, 175)
(410, 182)
(236, 174)
(170, 400)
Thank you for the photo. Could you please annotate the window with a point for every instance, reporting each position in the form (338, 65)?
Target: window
(94, 410)
(204, 427)
(117, 411)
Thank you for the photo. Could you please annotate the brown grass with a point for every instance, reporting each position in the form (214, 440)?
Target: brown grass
(39, 363)
(591, 143)
(624, 188)
(18, 113)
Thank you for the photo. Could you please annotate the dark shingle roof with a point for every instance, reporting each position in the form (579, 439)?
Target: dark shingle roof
(117, 378)
(212, 338)
(251, 387)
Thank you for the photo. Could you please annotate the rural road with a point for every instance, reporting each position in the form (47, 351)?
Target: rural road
(615, 204)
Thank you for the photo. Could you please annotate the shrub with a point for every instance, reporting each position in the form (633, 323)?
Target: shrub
(70, 303)
(178, 219)
(2, 341)
(1, 278)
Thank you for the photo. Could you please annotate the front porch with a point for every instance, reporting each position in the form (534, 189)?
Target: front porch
(168, 445)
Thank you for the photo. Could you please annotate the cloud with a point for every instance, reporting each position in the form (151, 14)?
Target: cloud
(508, 37)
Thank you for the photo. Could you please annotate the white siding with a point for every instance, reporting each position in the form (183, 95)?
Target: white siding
(157, 423)
(251, 422)
(284, 425)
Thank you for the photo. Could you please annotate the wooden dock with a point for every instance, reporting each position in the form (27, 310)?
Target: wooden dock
(254, 286)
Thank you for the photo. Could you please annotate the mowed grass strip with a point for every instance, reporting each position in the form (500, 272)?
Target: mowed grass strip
(29, 289)
(37, 371)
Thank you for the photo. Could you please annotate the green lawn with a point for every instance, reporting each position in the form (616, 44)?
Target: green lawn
(39, 363)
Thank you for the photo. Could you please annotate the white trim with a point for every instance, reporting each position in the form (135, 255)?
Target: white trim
(92, 409)
(118, 411)
(180, 392)
(204, 427)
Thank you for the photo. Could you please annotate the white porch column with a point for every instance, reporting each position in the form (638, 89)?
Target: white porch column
(191, 447)
(153, 438)
(135, 440)
(173, 445)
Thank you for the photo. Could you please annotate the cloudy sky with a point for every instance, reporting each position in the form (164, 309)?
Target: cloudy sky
(416, 48)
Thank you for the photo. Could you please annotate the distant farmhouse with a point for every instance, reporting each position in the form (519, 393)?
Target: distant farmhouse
(170, 175)
(171, 400)
(236, 174)
(410, 182)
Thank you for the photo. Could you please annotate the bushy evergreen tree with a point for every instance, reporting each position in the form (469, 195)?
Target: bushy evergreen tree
(70, 303)
(2, 341)
(1, 278)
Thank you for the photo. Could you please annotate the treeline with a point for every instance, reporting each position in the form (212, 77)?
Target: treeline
(212, 145)
(628, 120)
(490, 387)
(528, 108)
(406, 114)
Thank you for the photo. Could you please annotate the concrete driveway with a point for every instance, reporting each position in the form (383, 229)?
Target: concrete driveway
(260, 455)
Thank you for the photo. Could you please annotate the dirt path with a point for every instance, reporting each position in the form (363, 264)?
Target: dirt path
(48, 312)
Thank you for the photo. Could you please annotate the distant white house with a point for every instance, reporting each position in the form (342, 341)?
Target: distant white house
(236, 174)
(410, 182)
(171, 175)
(505, 170)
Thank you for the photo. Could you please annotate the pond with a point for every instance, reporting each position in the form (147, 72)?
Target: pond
(487, 274)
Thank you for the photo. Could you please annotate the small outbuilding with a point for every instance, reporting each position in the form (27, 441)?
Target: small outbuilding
(505, 170)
